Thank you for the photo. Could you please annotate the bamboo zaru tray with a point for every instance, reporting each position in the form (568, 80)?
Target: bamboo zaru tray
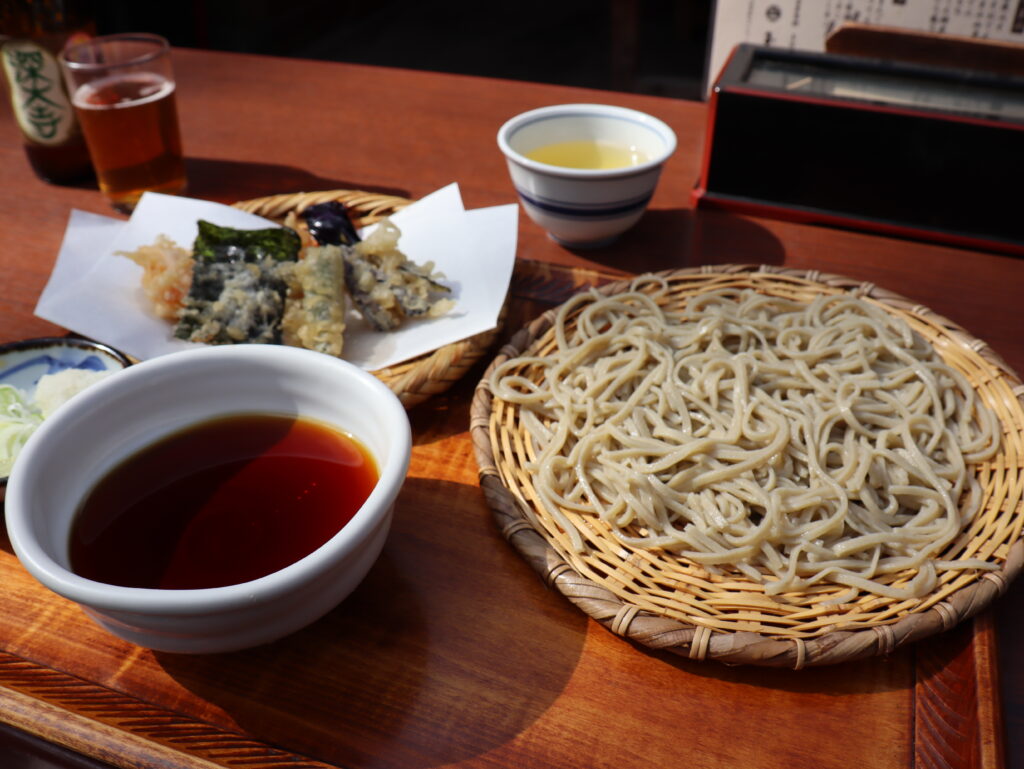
(413, 381)
(664, 601)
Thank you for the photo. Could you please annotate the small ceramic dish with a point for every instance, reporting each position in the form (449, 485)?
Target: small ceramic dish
(585, 207)
(116, 418)
(24, 363)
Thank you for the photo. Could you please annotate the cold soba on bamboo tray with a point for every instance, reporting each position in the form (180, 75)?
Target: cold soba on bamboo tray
(582, 378)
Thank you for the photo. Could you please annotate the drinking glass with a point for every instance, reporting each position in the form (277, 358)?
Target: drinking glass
(122, 89)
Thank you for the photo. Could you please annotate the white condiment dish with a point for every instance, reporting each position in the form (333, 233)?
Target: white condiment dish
(584, 207)
(25, 362)
(112, 420)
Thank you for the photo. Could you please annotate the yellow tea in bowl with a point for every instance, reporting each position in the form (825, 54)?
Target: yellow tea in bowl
(588, 153)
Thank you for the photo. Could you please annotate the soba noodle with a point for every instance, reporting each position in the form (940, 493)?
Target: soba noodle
(797, 443)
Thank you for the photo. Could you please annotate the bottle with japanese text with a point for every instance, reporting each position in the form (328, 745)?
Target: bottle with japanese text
(32, 33)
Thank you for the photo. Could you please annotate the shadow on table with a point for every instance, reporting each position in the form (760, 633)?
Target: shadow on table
(228, 181)
(657, 242)
(683, 237)
(446, 415)
(719, 237)
(448, 649)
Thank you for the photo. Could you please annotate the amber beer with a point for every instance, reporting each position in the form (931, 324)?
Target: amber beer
(122, 89)
(130, 124)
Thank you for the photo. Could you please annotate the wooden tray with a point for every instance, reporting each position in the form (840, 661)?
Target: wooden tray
(670, 603)
(412, 381)
(453, 653)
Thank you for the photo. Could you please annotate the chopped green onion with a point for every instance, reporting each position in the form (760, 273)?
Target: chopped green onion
(18, 420)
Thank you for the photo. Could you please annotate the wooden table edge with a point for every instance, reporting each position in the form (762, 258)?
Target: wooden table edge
(127, 732)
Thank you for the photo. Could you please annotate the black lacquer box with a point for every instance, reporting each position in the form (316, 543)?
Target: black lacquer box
(895, 148)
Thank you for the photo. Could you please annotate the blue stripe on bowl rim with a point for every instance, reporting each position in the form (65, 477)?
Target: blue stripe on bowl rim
(585, 210)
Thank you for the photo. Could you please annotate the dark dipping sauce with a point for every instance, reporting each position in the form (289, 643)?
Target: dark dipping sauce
(222, 502)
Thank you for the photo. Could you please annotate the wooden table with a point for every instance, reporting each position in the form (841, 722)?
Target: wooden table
(453, 652)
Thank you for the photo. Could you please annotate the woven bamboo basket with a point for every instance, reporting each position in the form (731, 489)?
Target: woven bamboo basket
(663, 601)
(413, 381)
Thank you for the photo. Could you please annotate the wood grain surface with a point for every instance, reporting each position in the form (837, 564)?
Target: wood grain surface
(452, 652)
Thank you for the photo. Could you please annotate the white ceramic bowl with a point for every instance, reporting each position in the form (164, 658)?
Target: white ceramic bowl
(118, 416)
(585, 207)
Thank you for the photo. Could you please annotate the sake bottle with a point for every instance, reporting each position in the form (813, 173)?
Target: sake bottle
(32, 34)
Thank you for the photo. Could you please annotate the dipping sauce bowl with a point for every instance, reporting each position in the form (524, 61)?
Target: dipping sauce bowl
(119, 416)
(585, 207)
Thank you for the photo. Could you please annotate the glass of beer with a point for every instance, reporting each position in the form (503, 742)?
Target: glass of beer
(122, 89)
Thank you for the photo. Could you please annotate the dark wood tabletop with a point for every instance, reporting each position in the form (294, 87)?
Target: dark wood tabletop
(453, 652)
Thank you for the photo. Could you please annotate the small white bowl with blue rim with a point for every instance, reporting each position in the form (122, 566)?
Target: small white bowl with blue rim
(585, 207)
(24, 363)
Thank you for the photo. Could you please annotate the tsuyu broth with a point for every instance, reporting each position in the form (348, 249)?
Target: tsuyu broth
(219, 503)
